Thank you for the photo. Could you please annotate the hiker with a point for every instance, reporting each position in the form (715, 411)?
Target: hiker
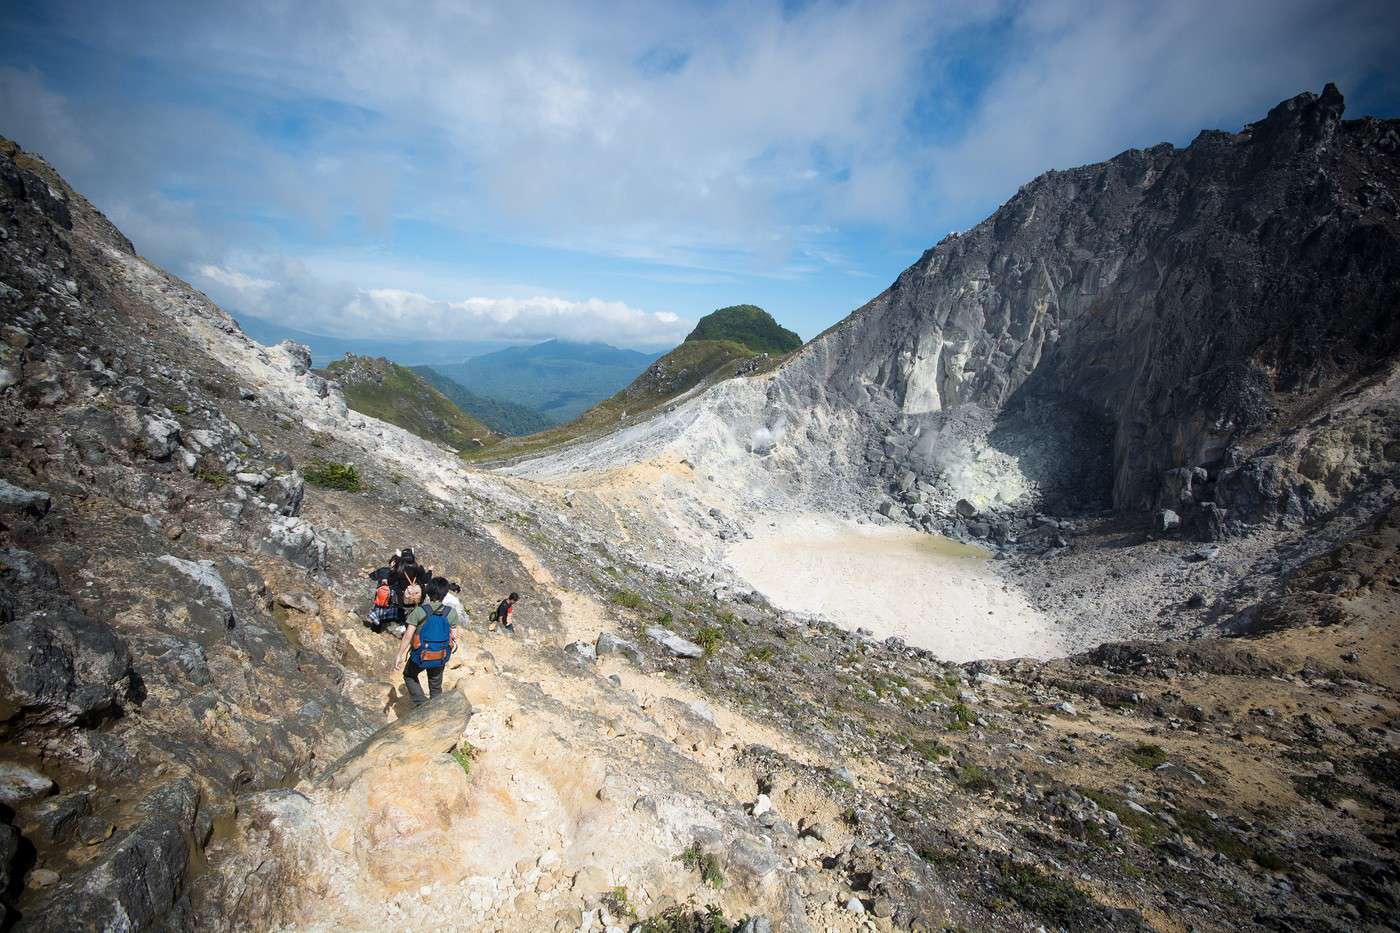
(386, 608)
(502, 613)
(455, 601)
(410, 580)
(428, 641)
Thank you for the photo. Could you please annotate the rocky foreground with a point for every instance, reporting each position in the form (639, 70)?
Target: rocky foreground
(199, 733)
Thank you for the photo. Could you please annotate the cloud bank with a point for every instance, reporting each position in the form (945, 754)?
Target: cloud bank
(303, 301)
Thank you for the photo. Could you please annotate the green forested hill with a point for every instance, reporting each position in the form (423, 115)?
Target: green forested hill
(749, 326)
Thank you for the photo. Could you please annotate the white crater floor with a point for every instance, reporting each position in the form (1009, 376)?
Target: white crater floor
(932, 592)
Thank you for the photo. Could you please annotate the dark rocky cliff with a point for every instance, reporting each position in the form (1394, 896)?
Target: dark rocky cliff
(1190, 297)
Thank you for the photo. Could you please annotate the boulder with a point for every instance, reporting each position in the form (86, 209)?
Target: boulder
(285, 490)
(299, 355)
(11, 367)
(299, 601)
(1209, 522)
(17, 499)
(159, 437)
(199, 589)
(141, 880)
(56, 819)
(675, 644)
(295, 540)
(966, 509)
(1166, 520)
(610, 644)
(61, 667)
(580, 652)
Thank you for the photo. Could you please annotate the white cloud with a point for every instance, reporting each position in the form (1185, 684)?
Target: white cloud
(238, 281)
(297, 298)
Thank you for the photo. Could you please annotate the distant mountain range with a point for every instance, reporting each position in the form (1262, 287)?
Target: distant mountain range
(558, 378)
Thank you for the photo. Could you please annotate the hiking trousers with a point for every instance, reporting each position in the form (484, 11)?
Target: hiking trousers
(415, 689)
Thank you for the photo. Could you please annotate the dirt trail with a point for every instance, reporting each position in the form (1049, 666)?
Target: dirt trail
(583, 618)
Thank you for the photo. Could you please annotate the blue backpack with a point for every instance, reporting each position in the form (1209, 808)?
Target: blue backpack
(432, 643)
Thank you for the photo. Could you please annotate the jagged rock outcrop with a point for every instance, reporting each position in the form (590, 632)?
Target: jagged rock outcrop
(1189, 297)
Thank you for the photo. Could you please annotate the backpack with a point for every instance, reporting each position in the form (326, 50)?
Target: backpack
(432, 643)
(381, 595)
(413, 593)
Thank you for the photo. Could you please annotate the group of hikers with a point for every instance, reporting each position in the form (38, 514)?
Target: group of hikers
(425, 611)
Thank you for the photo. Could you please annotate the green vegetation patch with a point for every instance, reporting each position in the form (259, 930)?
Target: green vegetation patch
(1147, 756)
(503, 417)
(1327, 790)
(330, 475)
(1046, 896)
(686, 920)
(974, 778)
(216, 478)
(618, 903)
(708, 637)
(962, 717)
(464, 754)
(705, 864)
(627, 599)
(749, 326)
(1149, 830)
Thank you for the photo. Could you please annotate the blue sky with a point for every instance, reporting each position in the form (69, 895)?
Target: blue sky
(613, 171)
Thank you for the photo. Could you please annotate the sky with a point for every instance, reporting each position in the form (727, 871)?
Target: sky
(613, 171)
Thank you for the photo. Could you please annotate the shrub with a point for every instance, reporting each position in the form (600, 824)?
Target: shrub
(681, 920)
(665, 619)
(704, 863)
(1147, 757)
(963, 717)
(928, 749)
(330, 475)
(464, 754)
(708, 637)
(627, 599)
(216, 478)
(974, 778)
(1045, 896)
(618, 903)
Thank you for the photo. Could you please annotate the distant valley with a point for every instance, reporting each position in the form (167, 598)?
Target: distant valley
(557, 378)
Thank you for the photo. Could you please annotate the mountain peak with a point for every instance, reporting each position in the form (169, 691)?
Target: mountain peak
(749, 326)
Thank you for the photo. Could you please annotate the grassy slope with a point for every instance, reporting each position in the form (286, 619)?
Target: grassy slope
(501, 416)
(676, 373)
(405, 399)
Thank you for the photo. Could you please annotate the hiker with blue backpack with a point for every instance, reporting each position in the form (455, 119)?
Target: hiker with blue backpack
(428, 641)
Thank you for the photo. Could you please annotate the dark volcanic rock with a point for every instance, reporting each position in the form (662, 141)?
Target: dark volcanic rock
(61, 667)
(1174, 292)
